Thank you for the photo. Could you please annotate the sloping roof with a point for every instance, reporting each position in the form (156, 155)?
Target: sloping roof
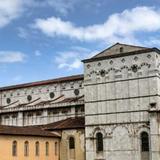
(118, 50)
(69, 123)
(61, 100)
(26, 131)
(45, 82)
(72, 99)
(115, 49)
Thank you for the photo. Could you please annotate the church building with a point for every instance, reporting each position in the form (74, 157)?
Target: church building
(111, 112)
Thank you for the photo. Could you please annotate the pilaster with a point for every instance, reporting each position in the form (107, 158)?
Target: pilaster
(154, 135)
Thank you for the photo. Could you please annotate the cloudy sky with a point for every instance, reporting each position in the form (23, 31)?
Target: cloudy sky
(43, 39)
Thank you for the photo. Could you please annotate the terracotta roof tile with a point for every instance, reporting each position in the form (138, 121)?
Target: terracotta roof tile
(26, 131)
(45, 82)
(71, 99)
(69, 123)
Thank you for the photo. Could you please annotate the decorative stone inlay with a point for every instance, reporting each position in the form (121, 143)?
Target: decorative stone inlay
(135, 58)
(99, 64)
(51, 94)
(102, 73)
(123, 60)
(29, 97)
(88, 66)
(111, 62)
(134, 68)
(149, 56)
(8, 100)
(76, 92)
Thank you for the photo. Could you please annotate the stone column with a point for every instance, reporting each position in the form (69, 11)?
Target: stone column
(20, 119)
(154, 135)
(34, 118)
(44, 117)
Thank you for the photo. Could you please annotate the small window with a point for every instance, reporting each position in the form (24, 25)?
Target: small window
(71, 143)
(37, 149)
(51, 94)
(144, 142)
(6, 117)
(65, 110)
(121, 49)
(99, 142)
(56, 148)
(55, 111)
(47, 149)
(14, 148)
(8, 100)
(26, 148)
(38, 113)
(76, 92)
(29, 98)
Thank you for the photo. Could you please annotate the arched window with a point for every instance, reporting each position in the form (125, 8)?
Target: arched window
(121, 49)
(14, 148)
(72, 148)
(99, 142)
(56, 148)
(26, 148)
(47, 149)
(37, 149)
(144, 142)
(71, 143)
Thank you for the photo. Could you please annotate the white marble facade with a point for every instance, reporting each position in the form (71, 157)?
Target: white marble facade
(42, 104)
(122, 102)
(118, 95)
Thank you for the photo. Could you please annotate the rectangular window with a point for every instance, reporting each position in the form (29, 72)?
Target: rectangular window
(56, 148)
(47, 149)
(37, 149)
(26, 148)
(14, 148)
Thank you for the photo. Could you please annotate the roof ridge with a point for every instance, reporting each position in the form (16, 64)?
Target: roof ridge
(140, 51)
(132, 45)
(119, 44)
(43, 82)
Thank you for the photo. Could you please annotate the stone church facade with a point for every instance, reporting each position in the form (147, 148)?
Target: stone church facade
(118, 96)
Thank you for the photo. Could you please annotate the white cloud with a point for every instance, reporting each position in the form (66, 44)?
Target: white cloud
(11, 57)
(12, 9)
(9, 10)
(117, 26)
(62, 6)
(37, 53)
(59, 6)
(72, 59)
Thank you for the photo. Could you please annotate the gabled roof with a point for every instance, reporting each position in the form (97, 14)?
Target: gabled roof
(118, 50)
(45, 82)
(69, 123)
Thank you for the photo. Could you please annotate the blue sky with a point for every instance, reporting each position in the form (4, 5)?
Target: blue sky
(44, 39)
